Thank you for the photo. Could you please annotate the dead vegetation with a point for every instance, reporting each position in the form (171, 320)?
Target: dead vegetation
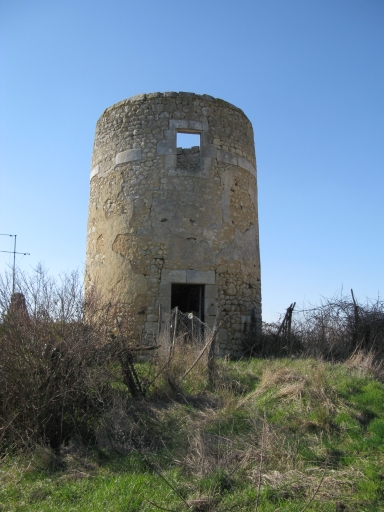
(282, 440)
(336, 330)
(77, 391)
(70, 365)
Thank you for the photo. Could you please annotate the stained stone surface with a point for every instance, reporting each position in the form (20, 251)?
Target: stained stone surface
(159, 214)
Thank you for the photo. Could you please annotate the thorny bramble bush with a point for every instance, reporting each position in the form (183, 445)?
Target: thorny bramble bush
(61, 364)
(334, 331)
(69, 364)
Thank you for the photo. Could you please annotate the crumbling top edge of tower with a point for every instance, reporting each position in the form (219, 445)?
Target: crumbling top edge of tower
(149, 96)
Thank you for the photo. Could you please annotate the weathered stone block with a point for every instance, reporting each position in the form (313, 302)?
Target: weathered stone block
(188, 126)
(246, 164)
(137, 97)
(211, 291)
(227, 157)
(210, 306)
(170, 161)
(198, 277)
(173, 276)
(130, 155)
(164, 302)
(165, 289)
(94, 171)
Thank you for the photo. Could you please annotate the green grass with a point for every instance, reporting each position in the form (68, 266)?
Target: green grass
(316, 430)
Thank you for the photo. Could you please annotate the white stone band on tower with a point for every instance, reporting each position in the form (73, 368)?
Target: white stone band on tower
(175, 226)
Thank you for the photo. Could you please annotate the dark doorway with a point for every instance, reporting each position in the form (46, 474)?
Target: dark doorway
(189, 298)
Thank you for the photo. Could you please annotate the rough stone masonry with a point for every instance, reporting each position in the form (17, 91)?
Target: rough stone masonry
(177, 226)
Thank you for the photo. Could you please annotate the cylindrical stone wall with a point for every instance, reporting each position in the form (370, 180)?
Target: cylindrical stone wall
(159, 215)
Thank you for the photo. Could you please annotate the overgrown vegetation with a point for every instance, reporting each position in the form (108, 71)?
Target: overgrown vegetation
(258, 434)
(334, 330)
(59, 362)
(69, 365)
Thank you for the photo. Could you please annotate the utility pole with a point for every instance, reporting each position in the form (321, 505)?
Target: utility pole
(14, 259)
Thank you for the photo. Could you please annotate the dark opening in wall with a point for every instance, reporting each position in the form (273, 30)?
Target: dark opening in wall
(189, 298)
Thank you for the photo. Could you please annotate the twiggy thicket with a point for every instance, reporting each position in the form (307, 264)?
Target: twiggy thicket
(51, 381)
(334, 330)
(68, 363)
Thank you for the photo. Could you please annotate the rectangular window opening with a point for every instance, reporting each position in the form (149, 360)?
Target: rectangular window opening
(189, 298)
(187, 140)
(188, 152)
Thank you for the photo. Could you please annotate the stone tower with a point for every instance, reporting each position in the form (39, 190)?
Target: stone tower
(177, 226)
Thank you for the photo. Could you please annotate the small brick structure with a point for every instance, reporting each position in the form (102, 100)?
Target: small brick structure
(177, 226)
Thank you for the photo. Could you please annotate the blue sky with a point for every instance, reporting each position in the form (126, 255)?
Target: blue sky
(309, 74)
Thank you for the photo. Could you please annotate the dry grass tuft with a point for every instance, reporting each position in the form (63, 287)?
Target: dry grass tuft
(208, 453)
(292, 391)
(273, 377)
(366, 363)
(291, 384)
(294, 483)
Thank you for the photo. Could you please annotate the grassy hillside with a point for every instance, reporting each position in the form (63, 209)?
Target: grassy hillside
(291, 435)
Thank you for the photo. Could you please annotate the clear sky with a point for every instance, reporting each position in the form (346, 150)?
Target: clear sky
(309, 74)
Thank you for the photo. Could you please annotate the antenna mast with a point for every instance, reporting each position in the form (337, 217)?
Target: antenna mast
(14, 259)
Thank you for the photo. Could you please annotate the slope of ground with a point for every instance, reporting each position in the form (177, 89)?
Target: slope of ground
(288, 435)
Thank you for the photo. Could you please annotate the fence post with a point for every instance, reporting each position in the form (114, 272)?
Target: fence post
(172, 347)
(289, 342)
(212, 352)
(285, 327)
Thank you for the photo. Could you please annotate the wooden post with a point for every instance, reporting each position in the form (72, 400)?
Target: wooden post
(192, 329)
(285, 327)
(212, 352)
(290, 311)
(172, 347)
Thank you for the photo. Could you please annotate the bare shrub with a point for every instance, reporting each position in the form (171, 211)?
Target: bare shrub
(340, 326)
(334, 330)
(61, 364)
(69, 364)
